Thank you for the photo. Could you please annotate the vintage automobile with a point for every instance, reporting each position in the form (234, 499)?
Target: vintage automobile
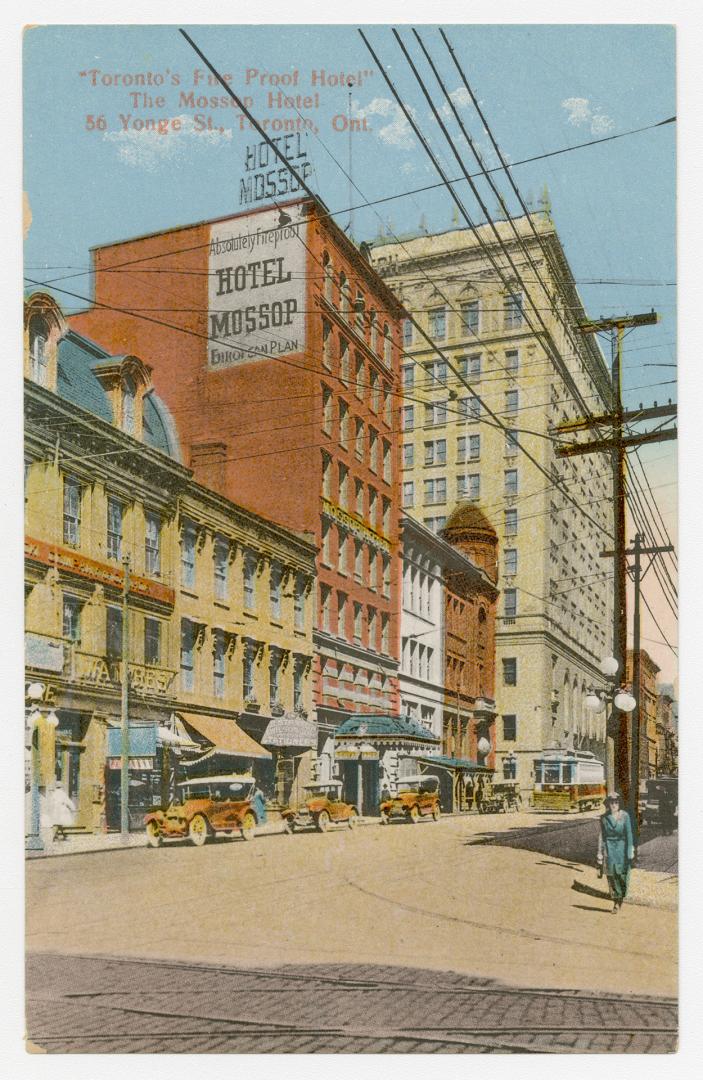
(205, 806)
(658, 802)
(415, 797)
(499, 797)
(321, 808)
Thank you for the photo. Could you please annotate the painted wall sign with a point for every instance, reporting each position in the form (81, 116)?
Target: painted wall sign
(72, 562)
(43, 653)
(256, 288)
(265, 175)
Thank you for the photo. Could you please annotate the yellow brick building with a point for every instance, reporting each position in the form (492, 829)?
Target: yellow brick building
(555, 617)
(219, 600)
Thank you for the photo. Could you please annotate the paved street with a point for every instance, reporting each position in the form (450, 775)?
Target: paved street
(373, 904)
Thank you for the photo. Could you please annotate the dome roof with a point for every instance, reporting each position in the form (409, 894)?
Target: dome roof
(467, 515)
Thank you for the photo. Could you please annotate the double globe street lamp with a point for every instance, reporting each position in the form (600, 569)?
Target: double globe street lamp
(597, 698)
(35, 694)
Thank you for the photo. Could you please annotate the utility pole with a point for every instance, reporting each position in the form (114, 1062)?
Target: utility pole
(124, 757)
(616, 444)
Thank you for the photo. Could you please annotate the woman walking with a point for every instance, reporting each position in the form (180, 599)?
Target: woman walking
(616, 851)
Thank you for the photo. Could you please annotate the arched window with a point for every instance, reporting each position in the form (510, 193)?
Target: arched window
(344, 294)
(38, 341)
(129, 393)
(387, 344)
(328, 275)
(373, 327)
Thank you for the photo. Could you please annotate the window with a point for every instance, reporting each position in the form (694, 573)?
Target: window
(510, 603)
(248, 670)
(386, 515)
(152, 641)
(510, 561)
(344, 369)
(373, 330)
(326, 551)
(325, 606)
(436, 524)
(115, 512)
(326, 475)
(511, 482)
(436, 452)
(218, 663)
(328, 275)
(275, 578)
(359, 439)
(327, 344)
(360, 308)
(470, 316)
(387, 345)
(341, 614)
(469, 486)
(371, 616)
(274, 676)
(509, 728)
(387, 405)
(471, 366)
(359, 497)
(152, 544)
(510, 768)
(511, 400)
(373, 450)
(373, 563)
(386, 576)
(113, 633)
(510, 671)
(470, 407)
(408, 376)
(438, 323)
(385, 633)
(72, 608)
(408, 455)
(435, 490)
(358, 621)
(342, 538)
(438, 371)
(249, 582)
(408, 417)
(359, 370)
(299, 602)
(344, 425)
(343, 474)
(408, 493)
(188, 536)
(327, 408)
(511, 445)
(38, 340)
(372, 507)
(375, 392)
(387, 474)
(71, 511)
(129, 393)
(512, 311)
(510, 522)
(512, 359)
(407, 333)
(358, 560)
(344, 294)
(187, 654)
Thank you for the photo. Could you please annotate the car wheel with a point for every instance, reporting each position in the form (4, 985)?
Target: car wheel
(153, 834)
(436, 813)
(288, 826)
(414, 814)
(384, 819)
(353, 819)
(198, 830)
(323, 821)
(248, 826)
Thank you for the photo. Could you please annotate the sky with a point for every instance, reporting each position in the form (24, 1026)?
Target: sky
(93, 174)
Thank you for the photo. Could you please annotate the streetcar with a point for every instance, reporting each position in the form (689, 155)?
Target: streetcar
(568, 780)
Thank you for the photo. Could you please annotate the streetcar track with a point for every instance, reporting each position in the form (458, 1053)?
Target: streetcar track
(483, 987)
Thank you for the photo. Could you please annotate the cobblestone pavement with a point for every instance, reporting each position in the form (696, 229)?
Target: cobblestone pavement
(80, 1004)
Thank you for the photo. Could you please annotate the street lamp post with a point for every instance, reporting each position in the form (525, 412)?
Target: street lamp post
(620, 700)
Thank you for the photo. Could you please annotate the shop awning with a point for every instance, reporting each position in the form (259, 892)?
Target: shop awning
(384, 726)
(454, 764)
(225, 735)
(291, 731)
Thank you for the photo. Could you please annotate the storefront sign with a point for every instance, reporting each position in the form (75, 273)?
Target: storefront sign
(43, 653)
(73, 563)
(108, 673)
(256, 288)
(354, 525)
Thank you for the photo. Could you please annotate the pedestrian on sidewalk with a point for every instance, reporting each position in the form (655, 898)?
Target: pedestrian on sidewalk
(616, 851)
(60, 811)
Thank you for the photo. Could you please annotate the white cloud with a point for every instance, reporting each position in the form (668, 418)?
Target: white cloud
(461, 99)
(147, 149)
(579, 112)
(396, 133)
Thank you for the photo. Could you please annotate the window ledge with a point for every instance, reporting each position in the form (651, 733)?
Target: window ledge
(222, 604)
(189, 592)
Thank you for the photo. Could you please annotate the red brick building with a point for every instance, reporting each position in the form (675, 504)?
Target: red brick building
(276, 348)
(469, 703)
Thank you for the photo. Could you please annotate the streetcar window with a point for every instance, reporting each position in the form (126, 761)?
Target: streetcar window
(538, 772)
(568, 774)
(551, 774)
